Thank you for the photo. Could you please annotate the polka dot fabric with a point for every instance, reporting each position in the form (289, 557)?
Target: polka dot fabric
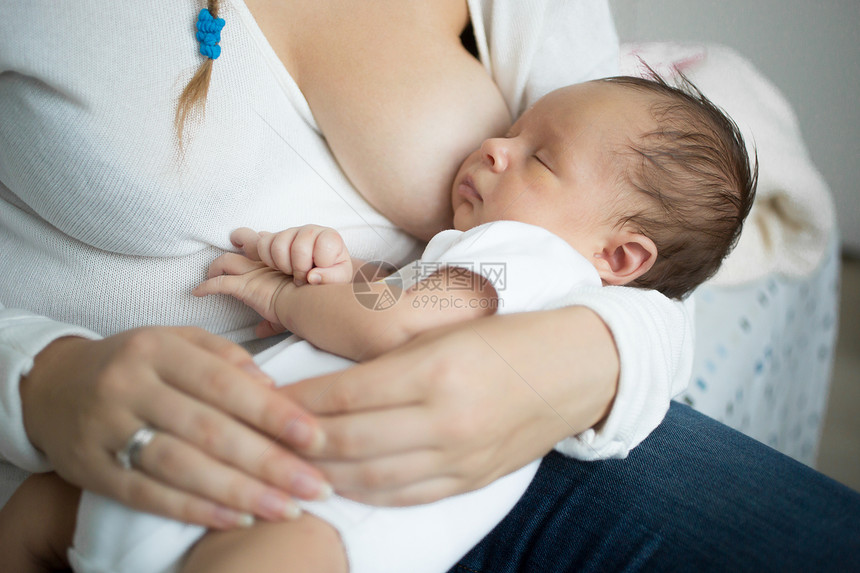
(764, 355)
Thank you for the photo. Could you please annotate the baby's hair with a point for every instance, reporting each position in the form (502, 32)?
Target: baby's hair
(194, 94)
(696, 173)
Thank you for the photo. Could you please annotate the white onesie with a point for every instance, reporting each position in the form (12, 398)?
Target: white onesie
(531, 269)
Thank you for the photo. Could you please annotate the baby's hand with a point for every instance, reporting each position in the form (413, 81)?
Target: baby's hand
(254, 283)
(311, 254)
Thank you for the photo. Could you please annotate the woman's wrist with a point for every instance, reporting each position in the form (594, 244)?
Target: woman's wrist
(40, 378)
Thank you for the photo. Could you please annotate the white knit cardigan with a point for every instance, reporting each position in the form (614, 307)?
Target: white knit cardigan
(105, 226)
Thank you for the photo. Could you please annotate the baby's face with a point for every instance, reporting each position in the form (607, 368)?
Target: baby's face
(558, 166)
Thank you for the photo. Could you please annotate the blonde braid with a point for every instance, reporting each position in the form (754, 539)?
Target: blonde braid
(194, 94)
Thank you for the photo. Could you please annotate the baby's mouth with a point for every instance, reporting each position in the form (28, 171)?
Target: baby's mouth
(467, 189)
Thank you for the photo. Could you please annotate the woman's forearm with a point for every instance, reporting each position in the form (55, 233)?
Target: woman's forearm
(23, 338)
(567, 356)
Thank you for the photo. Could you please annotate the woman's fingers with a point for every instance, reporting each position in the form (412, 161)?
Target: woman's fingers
(218, 423)
(416, 494)
(229, 351)
(203, 407)
(172, 462)
(222, 438)
(222, 387)
(387, 473)
(358, 436)
(361, 388)
(138, 490)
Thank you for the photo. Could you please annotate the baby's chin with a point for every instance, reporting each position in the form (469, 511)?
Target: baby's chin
(464, 217)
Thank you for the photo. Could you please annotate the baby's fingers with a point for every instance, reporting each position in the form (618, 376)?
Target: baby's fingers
(223, 273)
(217, 285)
(329, 249)
(339, 273)
(247, 240)
(302, 253)
(232, 264)
(267, 328)
(277, 252)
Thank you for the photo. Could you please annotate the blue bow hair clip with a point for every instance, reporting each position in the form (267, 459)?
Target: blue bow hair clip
(209, 34)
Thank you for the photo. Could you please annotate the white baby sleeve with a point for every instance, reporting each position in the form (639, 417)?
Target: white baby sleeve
(654, 337)
(653, 334)
(528, 266)
(22, 336)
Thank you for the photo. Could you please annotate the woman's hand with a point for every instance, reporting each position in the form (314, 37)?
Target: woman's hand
(459, 407)
(215, 457)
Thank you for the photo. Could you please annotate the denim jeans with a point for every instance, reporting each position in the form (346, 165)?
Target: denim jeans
(695, 496)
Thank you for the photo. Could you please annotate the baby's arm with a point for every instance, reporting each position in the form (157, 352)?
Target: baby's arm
(330, 316)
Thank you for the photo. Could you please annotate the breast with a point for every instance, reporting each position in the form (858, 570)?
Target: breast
(400, 101)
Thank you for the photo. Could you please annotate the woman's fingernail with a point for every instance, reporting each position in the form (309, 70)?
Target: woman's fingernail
(317, 442)
(309, 487)
(253, 370)
(298, 432)
(302, 434)
(276, 507)
(326, 491)
(228, 519)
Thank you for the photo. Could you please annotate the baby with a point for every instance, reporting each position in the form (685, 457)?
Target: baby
(621, 181)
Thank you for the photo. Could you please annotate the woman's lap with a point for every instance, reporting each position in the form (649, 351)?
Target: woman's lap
(696, 495)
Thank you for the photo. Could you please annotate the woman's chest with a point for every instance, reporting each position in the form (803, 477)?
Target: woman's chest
(313, 38)
(399, 99)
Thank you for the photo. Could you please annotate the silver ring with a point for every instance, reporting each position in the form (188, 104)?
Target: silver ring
(129, 454)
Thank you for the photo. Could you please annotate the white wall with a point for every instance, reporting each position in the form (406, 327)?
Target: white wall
(810, 50)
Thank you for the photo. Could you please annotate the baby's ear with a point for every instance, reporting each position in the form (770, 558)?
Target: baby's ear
(625, 258)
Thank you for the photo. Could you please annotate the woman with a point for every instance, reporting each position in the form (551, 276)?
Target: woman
(123, 216)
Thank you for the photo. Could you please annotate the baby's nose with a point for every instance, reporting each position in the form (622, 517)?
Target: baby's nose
(496, 153)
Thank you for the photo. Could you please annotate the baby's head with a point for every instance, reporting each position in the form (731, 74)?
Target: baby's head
(650, 182)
